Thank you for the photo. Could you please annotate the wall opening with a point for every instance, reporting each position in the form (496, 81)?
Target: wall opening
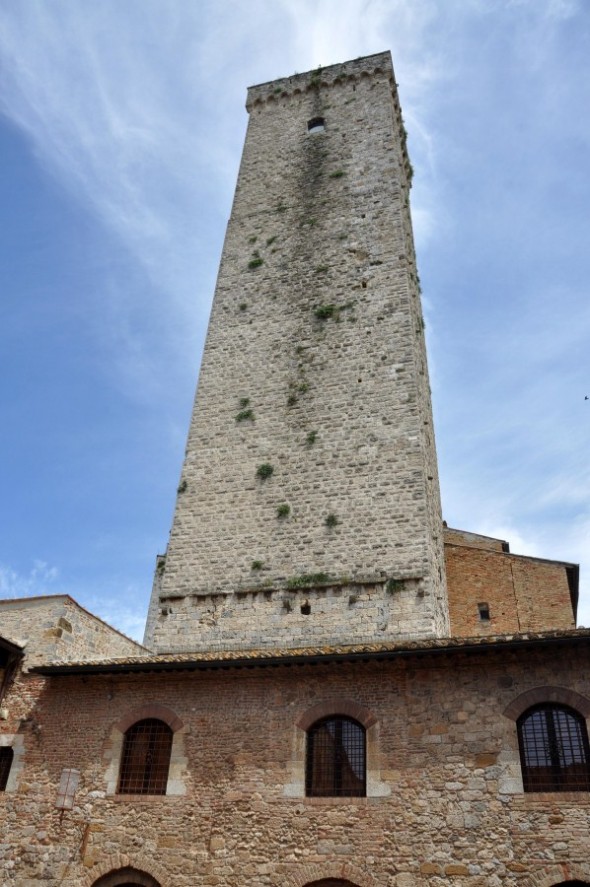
(316, 124)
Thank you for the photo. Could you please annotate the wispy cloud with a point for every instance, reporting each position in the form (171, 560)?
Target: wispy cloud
(40, 579)
(136, 109)
(124, 608)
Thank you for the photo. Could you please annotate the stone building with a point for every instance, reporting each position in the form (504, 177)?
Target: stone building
(336, 689)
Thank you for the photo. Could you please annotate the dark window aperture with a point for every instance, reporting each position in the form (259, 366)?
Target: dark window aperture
(554, 750)
(6, 756)
(336, 758)
(316, 124)
(145, 759)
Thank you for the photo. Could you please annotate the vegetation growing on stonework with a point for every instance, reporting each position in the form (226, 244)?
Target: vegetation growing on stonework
(337, 174)
(323, 312)
(308, 579)
(246, 412)
(283, 510)
(182, 487)
(332, 521)
(264, 471)
(256, 261)
(311, 438)
(257, 565)
(394, 585)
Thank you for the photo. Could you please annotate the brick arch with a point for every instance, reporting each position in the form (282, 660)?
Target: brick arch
(120, 869)
(127, 877)
(538, 695)
(152, 710)
(558, 874)
(336, 706)
(343, 874)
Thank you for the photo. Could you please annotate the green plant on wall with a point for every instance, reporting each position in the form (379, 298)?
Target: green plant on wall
(283, 510)
(331, 521)
(257, 565)
(308, 579)
(324, 312)
(264, 471)
(311, 438)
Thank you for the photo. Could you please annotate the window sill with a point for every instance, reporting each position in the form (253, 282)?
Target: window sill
(322, 801)
(141, 799)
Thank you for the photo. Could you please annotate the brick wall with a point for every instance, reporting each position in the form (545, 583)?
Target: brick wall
(449, 809)
(521, 593)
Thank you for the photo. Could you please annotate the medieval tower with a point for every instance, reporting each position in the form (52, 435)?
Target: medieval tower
(308, 507)
(323, 702)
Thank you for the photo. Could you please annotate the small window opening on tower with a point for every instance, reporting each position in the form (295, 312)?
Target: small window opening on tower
(484, 612)
(316, 124)
(306, 608)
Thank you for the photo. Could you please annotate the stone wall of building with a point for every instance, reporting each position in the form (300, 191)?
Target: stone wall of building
(492, 591)
(314, 373)
(55, 628)
(445, 801)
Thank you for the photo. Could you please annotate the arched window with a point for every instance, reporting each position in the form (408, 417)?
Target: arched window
(145, 759)
(6, 756)
(127, 877)
(554, 750)
(336, 758)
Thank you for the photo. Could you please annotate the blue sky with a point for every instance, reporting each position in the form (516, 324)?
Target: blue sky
(121, 126)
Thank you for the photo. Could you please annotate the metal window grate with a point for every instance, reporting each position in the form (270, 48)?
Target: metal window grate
(145, 759)
(336, 760)
(554, 750)
(6, 756)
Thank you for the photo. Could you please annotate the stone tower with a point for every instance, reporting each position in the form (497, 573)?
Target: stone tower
(308, 509)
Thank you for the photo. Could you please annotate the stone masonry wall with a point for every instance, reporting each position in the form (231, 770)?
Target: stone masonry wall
(522, 593)
(314, 367)
(446, 805)
(56, 628)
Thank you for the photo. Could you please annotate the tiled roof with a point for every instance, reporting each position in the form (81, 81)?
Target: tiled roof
(273, 657)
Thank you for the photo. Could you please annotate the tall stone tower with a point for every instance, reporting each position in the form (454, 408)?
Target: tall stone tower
(308, 509)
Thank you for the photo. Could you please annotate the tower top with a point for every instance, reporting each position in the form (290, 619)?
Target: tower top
(379, 63)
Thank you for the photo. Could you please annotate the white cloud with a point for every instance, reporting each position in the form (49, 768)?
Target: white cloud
(40, 580)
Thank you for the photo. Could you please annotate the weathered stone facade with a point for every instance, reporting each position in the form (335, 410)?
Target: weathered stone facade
(444, 805)
(56, 627)
(314, 365)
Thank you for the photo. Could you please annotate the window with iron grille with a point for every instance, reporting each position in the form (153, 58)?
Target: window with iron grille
(6, 756)
(336, 758)
(145, 759)
(554, 750)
